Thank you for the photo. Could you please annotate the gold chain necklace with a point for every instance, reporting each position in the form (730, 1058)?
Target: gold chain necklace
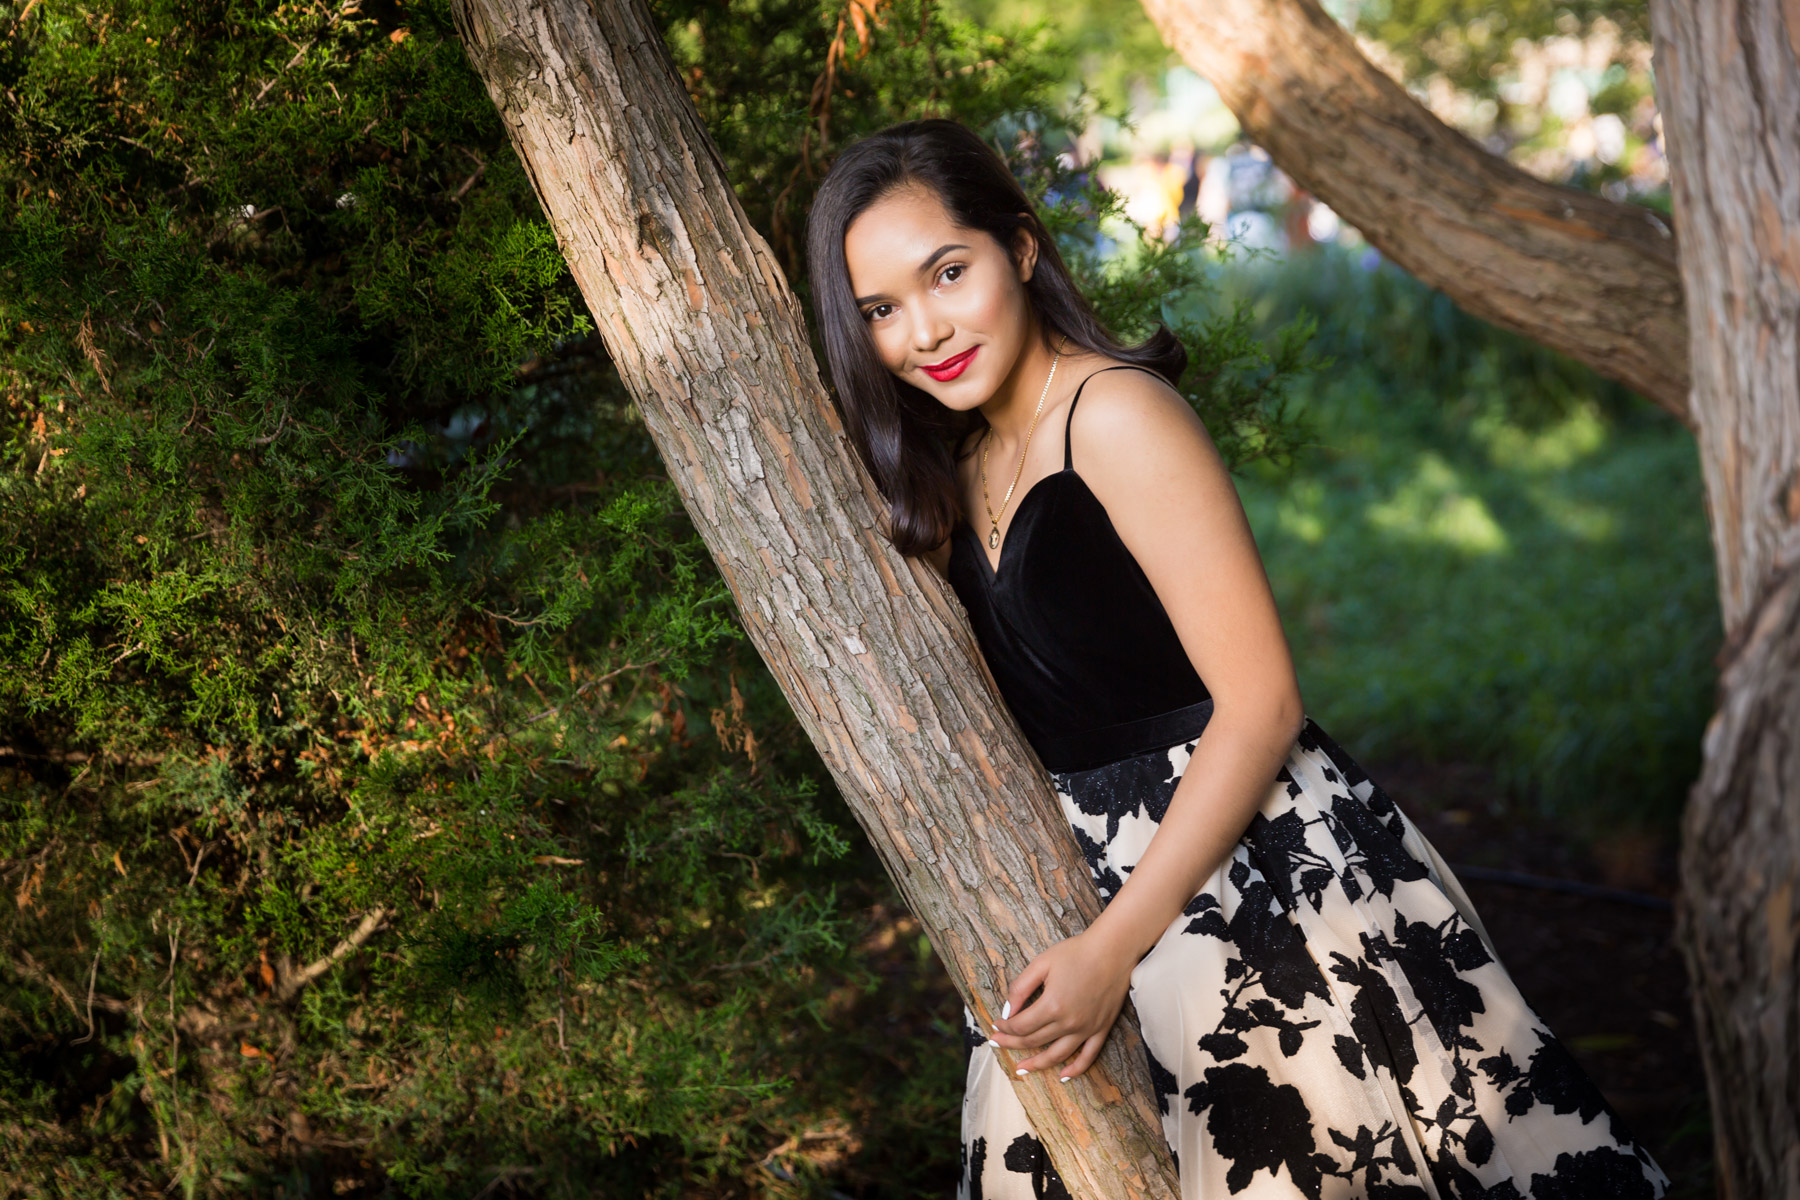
(993, 540)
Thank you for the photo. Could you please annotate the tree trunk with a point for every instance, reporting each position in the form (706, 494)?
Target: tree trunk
(1592, 278)
(1728, 83)
(871, 649)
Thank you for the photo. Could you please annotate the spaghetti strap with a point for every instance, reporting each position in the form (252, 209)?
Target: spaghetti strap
(1069, 417)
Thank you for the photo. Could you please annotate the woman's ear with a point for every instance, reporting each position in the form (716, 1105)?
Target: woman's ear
(1025, 251)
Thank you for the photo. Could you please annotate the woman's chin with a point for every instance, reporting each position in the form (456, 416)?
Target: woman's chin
(961, 399)
(952, 394)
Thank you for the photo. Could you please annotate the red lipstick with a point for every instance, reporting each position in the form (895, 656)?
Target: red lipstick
(951, 367)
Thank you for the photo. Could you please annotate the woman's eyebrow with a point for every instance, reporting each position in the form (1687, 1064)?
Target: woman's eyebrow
(925, 266)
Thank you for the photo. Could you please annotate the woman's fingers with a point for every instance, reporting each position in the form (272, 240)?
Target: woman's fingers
(1090, 1050)
(1019, 991)
(1041, 1033)
(1037, 1023)
(1056, 1052)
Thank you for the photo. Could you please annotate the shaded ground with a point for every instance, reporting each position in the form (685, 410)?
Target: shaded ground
(1603, 974)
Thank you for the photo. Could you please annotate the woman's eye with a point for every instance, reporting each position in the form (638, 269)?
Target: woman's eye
(947, 277)
(875, 313)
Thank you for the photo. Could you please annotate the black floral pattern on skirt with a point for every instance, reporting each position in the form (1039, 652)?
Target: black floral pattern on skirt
(1327, 1018)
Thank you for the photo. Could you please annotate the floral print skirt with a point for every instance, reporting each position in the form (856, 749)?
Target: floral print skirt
(1326, 1018)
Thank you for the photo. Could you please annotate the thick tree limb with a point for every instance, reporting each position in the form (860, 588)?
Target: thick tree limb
(1592, 278)
(1737, 918)
(871, 649)
(1728, 82)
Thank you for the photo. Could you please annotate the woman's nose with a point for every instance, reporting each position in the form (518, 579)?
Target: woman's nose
(929, 331)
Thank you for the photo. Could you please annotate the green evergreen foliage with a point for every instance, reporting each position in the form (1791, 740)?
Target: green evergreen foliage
(1116, 49)
(391, 804)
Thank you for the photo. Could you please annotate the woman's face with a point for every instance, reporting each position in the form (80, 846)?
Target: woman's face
(946, 306)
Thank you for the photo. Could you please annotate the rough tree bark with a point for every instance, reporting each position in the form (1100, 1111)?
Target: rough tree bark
(872, 649)
(1728, 84)
(1592, 278)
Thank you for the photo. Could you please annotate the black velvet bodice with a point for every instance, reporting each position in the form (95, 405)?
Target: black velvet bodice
(1083, 650)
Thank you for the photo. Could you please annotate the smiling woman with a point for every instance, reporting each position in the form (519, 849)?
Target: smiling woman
(1322, 1011)
(943, 313)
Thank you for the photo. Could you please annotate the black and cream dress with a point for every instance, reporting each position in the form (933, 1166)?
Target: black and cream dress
(1327, 1017)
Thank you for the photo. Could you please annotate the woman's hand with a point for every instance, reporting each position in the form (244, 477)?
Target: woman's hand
(1085, 983)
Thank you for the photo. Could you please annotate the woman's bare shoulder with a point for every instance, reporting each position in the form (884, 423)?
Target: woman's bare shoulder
(1124, 415)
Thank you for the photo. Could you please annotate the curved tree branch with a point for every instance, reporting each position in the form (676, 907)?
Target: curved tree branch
(1594, 279)
(293, 981)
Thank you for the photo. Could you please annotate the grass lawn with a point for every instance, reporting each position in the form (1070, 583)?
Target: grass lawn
(1487, 555)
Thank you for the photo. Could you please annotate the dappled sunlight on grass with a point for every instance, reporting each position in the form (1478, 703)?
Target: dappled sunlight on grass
(1432, 508)
(1490, 557)
(1558, 446)
(1298, 511)
(1589, 522)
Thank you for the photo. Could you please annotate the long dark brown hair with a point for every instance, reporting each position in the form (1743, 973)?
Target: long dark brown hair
(907, 439)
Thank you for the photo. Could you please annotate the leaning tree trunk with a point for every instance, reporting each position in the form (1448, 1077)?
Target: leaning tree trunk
(1592, 278)
(871, 648)
(1728, 84)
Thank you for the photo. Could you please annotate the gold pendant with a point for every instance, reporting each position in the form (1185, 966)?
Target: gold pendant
(994, 539)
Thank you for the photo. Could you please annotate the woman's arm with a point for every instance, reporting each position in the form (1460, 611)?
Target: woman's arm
(1147, 457)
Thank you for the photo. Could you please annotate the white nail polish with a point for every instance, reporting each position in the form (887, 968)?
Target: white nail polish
(993, 1043)
(1022, 1071)
(1065, 1079)
(1006, 1010)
